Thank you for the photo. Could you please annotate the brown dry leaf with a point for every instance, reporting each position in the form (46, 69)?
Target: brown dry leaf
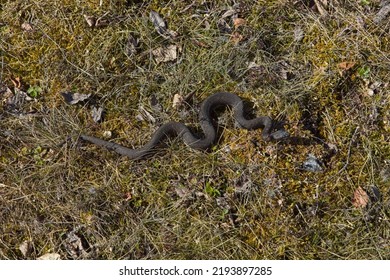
(239, 22)
(236, 37)
(345, 65)
(165, 54)
(360, 198)
(128, 196)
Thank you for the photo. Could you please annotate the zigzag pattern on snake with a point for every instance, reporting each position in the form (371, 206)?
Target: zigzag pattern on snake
(205, 120)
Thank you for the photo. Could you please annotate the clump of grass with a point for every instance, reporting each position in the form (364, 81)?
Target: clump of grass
(245, 199)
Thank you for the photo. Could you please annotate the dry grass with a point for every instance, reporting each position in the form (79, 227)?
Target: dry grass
(245, 199)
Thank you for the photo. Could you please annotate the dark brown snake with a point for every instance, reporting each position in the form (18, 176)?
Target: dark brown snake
(210, 134)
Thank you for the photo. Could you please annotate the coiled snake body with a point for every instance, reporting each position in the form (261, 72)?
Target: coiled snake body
(210, 134)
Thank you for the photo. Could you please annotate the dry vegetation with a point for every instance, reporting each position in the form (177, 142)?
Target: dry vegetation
(323, 69)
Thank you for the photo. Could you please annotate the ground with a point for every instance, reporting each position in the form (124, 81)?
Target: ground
(320, 68)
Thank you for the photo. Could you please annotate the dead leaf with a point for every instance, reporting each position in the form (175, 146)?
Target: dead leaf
(25, 248)
(144, 112)
(165, 54)
(229, 13)
(7, 96)
(97, 114)
(239, 22)
(132, 45)
(91, 20)
(182, 192)
(223, 26)
(74, 97)
(236, 37)
(345, 65)
(161, 26)
(27, 27)
(177, 101)
(157, 21)
(76, 244)
(360, 198)
(128, 196)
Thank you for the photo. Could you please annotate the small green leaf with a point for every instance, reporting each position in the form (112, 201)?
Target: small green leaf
(34, 91)
(364, 72)
(211, 191)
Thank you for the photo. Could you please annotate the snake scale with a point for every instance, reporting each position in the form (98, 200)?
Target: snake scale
(205, 119)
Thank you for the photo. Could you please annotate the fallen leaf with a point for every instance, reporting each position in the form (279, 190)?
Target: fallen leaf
(75, 244)
(128, 196)
(236, 37)
(27, 27)
(182, 192)
(345, 65)
(165, 54)
(177, 101)
(157, 21)
(7, 96)
(161, 26)
(91, 20)
(144, 112)
(132, 45)
(25, 248)
(360, 198)
(229, 13)
(97, 114)
(239, 22)
(223, 26)
(74, 97)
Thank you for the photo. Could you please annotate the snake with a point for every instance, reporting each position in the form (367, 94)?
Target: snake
(206, 123)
